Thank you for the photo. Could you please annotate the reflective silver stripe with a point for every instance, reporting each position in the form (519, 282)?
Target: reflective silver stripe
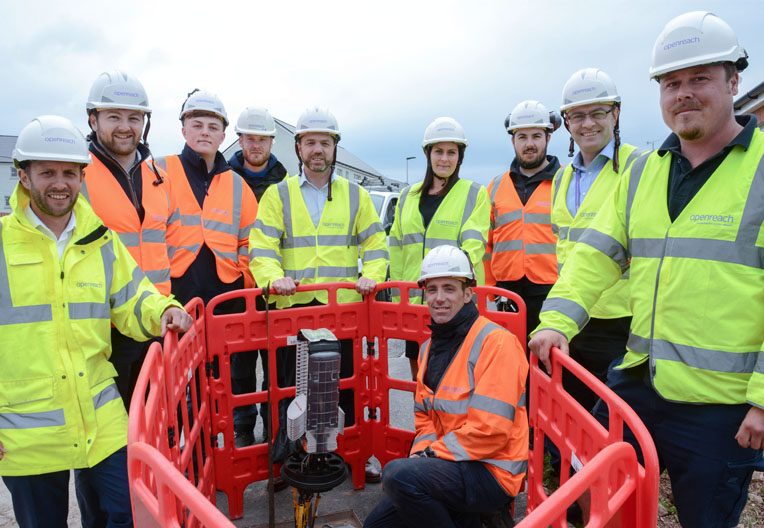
(286, 203)
(563, 233)
(559, 267)
(567, 307)
(424, 345)
(450, 406)
(513, 466)
(244, 231)
(636, 174)
(575, 233)
(230, 255)
(105, 396)
(431, 243)
(469, 208)
(540, 249)
(152, 236)
(242, 251)
(338, 271)
(537, 218)
(267, 230)
(638, 344)
(191, 219)
(494, 185)
(419, 407)
(52, 418)
(431, 437)
(373, 229)
(354, 194)
(174, 217)
(506, 218)
(171, 250)
(453, 445)
(221, 227)
(157, 276)
(298, 242)
(487, 257)
(427, 403)
(698, 248)
(557, 181)
(522, 402)
(375, 254)
(88, 310)
(634, 155)
(84, 190)
(401, 201)
(236, 207)
(705, 359)
(477, 345)
(607, 245)
(307, 273)
(413, 238)
(10, 314)
(556, 229)
(138, 311)
(508, 245)
(753, 212)
(336, 240)
(161, 163)
(472, 234)
(264, 253)
(130, 239)
(394, 241)
(107, 258)
(128, 291)
(492, 405)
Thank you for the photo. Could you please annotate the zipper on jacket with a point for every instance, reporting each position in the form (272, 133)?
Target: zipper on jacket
(651, 358)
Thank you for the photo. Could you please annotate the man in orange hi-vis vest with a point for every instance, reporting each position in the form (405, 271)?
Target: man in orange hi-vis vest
(470, 453)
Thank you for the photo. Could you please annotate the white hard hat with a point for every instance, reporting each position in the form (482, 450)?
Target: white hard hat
(117, 89)
(256, 120)
(51, 138)
(444, 129)
(588, 86)
(317, 120)
(202, 101)
(529, 114)
(446, 261)
(695, 38)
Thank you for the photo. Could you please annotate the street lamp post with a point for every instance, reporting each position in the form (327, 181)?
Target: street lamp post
(407, 168)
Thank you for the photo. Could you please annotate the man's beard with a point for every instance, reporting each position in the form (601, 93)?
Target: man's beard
(534, 163)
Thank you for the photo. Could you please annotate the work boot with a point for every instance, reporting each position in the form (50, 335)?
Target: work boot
(243, 438)
(501, 518)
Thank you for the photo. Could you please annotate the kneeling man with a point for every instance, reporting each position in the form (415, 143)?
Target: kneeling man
(470, 453)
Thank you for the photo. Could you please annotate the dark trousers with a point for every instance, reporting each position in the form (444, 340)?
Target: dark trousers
(423, 492)
(103, 495)
(127, 356)
(710, 473)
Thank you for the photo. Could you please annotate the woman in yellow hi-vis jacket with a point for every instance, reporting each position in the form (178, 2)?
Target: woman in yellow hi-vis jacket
(441, 210)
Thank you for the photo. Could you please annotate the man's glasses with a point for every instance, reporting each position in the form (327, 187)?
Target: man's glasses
(597, 115)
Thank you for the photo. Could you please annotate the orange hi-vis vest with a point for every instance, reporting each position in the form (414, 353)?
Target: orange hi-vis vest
(520, 242)
(478, 411)
(223, 223)
(146, 241)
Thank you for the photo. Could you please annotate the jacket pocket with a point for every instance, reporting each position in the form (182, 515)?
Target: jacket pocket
(21, 391)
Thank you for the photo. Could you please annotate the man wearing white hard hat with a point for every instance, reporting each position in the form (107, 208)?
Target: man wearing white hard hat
(591, 108)
(686, 223)
(65, 278)
(521, 251)
(470, 453)
(310, 229)
(260, 169)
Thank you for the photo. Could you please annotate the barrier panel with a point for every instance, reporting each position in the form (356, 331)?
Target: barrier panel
(581, 438)
(189, 405)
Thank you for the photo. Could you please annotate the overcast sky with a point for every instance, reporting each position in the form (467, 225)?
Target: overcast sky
(386, 69)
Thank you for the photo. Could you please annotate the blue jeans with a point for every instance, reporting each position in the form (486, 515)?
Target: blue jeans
(433, 492)
(710, 473)
(103, 495)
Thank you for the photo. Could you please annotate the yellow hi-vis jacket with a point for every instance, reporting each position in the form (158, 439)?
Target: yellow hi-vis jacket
(697, 283)
(59, 406)
(462, 220)
(478, 411)
(614, 302)
(285, 243)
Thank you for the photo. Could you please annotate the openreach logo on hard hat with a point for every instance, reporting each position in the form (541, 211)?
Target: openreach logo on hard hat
(55, 139)
(712, 219)
(128, 94)
(681, 42)
(584, 90)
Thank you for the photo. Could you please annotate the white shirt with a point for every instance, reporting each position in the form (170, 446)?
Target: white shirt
(66, 235)
(315, 198)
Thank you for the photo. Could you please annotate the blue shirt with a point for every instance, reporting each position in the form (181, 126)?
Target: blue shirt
(314, 198)
(583, 177)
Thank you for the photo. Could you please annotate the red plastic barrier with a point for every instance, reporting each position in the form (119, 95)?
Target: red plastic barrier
(580, 437)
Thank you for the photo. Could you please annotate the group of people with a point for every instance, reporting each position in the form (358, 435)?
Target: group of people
(649, 248)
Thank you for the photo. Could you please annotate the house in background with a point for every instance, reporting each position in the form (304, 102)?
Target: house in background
(752, 103)
(8, 176)
(347, 165)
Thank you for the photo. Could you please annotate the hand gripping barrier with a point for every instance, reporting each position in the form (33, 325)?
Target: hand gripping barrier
(616, 486)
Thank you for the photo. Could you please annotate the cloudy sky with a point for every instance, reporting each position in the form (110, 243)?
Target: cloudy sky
(385, 69)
